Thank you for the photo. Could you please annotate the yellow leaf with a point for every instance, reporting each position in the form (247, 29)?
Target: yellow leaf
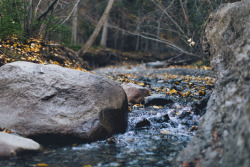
(185, 93)
(42, 164)
(141, 84)
(14, 38)
(36, 49)
(173, 91)
(201, 93)
(87, 166)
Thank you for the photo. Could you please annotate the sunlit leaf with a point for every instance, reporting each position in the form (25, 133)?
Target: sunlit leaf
(87, 166)
(42, 164)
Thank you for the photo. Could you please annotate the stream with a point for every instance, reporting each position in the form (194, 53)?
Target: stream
(163, 132)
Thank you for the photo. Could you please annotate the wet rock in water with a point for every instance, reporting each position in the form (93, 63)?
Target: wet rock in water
(189, 122)
(158, 99)
(144, 122)
(135, 93)
(173, 123)
(172, 81)
(12, 145)
(163, 118)
(144, 79)
(222, 138)
(172, 113)
(200, 107)
(52, 104)
(157, 64)
(184, 114)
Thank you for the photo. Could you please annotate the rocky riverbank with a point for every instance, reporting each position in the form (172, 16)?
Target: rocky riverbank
(223, 136)
(166, 116)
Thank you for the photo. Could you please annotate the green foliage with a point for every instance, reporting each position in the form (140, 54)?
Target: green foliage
(10, 18)
(75, 47)
(17, 19)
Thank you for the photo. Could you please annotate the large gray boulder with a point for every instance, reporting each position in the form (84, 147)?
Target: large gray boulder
(223, 136)
(52, 104)
(12, 145)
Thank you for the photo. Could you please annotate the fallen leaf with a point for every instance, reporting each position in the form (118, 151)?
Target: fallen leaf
(42, 164)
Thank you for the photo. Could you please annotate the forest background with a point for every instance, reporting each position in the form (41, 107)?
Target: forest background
(31, 28)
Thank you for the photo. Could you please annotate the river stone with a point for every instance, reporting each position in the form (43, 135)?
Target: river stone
(222, 138)
(12, 145)
(200, 106)
(52, 104)
(157, 64)
(157, 99)
(135, 93)
(142, 123)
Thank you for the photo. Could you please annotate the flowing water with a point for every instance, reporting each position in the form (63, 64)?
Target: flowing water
(156, 144)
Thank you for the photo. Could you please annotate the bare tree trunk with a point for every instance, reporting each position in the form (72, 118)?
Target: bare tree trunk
(184, 12)
(75, 25)
(137, 31)
(146, 43)
(36, 9)
(137, 43)
(185, 15)
(104, 34)
(122, 37)
(116, 38)
(158, 34)
(92, 38)
(31, 17)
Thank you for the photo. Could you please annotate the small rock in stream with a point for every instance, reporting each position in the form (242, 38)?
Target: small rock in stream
(189, 123)
(173, 123)
(163, 118)
(184, 114)
(172, 113)
(135, 93)
(157, 64)
(158, 99)
(199, 107)
(142, 123)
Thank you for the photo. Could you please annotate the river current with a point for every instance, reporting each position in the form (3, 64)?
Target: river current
(154, 144)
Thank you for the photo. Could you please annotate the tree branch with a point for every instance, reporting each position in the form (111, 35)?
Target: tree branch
(44, 14)
(169, 44)
(74, 8)
(164, 11)
(36, 9)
